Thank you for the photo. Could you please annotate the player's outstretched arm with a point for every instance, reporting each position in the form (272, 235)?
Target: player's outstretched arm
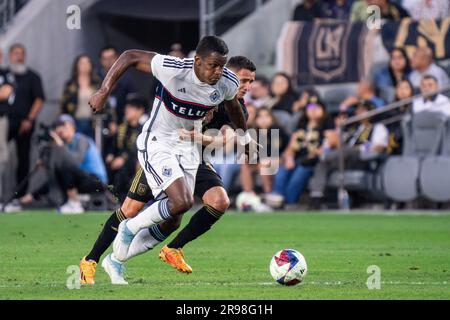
(234, 111)
(139, 59)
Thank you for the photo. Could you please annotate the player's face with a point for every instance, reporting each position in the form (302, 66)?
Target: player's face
(209, 69)
(246, 78)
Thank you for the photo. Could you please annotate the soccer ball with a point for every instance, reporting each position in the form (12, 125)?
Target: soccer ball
(288, 267)
(248, 201)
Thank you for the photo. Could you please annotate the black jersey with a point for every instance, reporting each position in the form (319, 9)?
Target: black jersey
(221, 117)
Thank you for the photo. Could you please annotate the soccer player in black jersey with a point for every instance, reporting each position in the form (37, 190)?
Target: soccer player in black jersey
(208, 187)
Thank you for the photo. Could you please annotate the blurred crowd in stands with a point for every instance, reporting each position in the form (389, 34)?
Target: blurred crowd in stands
(356, 10)
(308, 128)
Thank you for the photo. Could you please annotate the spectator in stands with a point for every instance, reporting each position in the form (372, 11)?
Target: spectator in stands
(301, 155)
(366, 140)
(283, 93)
(365, 92)
(265, 123)
(427, 9)
(176, 50)
(259, 93)
(434, 103)
(308, 10)
(124, 86)
(388, 9)
(304, 99)
(78, 90)
(121, 160)
(398, 69)
(404, 90)
(26, 105)
(74, 166)
(422, 64)
(7, 84)
(336, 9)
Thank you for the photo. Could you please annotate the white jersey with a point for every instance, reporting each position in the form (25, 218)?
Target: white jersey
(182, 100)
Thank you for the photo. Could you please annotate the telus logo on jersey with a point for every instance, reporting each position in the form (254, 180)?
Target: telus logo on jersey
(184, 109)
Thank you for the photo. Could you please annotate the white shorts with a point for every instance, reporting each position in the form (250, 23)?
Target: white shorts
(163, 164)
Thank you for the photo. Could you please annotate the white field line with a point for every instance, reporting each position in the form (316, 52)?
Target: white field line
(243, 284)
(429, 213)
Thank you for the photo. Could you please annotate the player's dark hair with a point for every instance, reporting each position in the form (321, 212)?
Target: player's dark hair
(106, 48)
(238, 63)
(210, 44)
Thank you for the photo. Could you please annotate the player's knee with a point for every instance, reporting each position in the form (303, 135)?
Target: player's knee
(130, 208)
(220, 203)
(217, 198)
(182, 204)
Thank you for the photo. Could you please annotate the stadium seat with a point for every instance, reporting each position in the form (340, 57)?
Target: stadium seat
(422, 134)
(400, 177)
(435, 172)
(354, 180)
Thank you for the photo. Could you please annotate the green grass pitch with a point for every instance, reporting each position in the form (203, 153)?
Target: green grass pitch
(232, 260)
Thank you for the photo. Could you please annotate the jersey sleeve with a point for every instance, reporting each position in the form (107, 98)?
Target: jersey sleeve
(232, 82)
(232, 91)
(166, 67)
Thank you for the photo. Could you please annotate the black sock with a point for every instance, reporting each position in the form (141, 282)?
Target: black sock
(200, 222)
(107, 236)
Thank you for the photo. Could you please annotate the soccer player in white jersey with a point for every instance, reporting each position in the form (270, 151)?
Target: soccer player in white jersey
(187, 90)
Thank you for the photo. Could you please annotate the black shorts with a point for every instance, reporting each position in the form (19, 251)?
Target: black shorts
(206, 179)
(139, 189)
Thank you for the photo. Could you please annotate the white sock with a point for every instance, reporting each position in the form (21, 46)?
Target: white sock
(113, 258)
(145, 240)
(154, 214)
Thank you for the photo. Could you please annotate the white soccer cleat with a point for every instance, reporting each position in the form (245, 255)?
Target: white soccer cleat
(122, 241)
(13, 207)
(115, 269)
(71, 207)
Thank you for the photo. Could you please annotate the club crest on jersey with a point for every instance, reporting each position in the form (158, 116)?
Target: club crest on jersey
(214, 96)
(166, 171)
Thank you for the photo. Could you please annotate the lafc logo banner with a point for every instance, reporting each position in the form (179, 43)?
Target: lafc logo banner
(329, 51)
(322, 51)
(411, 34)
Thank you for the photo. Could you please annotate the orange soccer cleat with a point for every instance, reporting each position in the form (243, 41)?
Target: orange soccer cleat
(87, 271)
(175, 258)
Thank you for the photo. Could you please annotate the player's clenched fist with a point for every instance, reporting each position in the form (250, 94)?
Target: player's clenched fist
(98, 100)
